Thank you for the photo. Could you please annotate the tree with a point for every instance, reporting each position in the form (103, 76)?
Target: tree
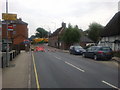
(41, 33)
(71, 35)
(32, 37)
(94, 31)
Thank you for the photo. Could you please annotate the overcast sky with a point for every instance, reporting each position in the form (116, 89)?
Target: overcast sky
(49, 14)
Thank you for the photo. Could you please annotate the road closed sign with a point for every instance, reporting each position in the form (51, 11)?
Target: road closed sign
(8, 16)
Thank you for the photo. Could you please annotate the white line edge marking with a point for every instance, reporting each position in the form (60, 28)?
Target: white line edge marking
(110, 85)
(74, 67)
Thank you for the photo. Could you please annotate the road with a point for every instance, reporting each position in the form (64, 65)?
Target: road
(57, 69)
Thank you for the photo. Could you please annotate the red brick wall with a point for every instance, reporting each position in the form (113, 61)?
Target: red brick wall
(18, 40)
(21, 33)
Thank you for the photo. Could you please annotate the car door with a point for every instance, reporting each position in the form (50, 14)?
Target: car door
(73, 50)
(88, 51)
(91, 52)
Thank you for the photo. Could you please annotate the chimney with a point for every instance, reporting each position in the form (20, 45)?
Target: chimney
(63, 25)
(20, 19)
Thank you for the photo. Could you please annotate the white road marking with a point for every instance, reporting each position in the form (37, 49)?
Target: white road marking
(75, 67)
(29, 77)
(55, 56)
(110, 85)
(58, 58)
(29, 81)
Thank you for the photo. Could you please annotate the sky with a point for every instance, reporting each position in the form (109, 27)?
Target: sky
(49, 14)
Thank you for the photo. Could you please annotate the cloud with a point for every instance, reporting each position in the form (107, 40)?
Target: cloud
(49, 14)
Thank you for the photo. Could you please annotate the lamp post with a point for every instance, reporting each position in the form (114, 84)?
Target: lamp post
(7, 46)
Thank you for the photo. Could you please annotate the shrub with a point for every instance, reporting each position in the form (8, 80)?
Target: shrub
(116, 53)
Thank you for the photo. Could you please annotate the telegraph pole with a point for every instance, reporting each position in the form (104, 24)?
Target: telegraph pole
(7, 46)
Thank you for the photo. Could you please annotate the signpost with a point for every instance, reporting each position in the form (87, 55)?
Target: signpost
(0, 44)
(7, 16)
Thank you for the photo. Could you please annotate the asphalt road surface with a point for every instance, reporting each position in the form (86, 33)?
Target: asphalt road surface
(56, 69)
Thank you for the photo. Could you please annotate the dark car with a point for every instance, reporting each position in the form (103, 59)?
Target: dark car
(76, 50)
(98, 52)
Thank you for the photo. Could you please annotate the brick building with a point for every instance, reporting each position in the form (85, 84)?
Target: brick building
(19, 33)
(54, 38)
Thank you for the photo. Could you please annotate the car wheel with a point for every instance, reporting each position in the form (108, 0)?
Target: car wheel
(95, 57)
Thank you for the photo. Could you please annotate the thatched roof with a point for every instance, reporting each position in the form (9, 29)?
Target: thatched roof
(85, 39)
(113, 27)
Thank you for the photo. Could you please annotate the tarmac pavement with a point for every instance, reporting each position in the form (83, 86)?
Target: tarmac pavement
(17, 75)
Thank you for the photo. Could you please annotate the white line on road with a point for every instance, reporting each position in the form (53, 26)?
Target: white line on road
(29, 81)
(29, 77)
(58, 58)
(75, 67)
(110, 85)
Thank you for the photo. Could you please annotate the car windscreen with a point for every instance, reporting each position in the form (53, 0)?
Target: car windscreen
(105, 49)
(95, 48)
(78, 48)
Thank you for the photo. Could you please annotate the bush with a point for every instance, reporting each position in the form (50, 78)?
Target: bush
(116, 53)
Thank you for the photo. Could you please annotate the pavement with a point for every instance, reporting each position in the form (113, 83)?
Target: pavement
(116, 59)
(17, 75)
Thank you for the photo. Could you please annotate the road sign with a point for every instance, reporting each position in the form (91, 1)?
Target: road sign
(8, 16)
(26, 41)
(10, 27)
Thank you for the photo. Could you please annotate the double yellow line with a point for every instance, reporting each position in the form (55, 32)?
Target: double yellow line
(36, 75)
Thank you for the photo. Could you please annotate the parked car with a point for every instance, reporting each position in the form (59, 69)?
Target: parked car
(76, 50)
(98, 52)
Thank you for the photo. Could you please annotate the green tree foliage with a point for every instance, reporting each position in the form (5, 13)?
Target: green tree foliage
(41, 33)
(94, 31)
(32, 37)
(71, 35)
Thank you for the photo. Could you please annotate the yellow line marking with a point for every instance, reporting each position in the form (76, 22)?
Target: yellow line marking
(36, 75)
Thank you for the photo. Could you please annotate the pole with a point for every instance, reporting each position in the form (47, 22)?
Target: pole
(7, 48)
(6, 6)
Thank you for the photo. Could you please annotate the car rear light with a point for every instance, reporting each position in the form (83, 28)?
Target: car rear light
(100, 52)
